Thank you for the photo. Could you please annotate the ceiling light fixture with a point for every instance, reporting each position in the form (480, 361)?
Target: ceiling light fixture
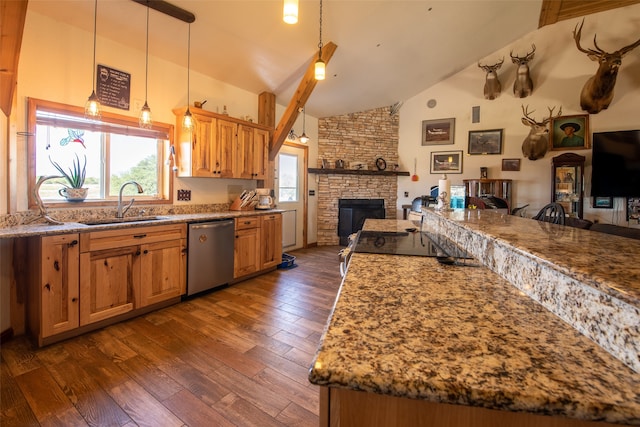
(145, 112)
(92, 106)
(290, 11)
(304, 138)
(187, 120)
(320, 66)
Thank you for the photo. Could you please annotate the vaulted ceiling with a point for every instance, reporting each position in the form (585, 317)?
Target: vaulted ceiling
(387, 50)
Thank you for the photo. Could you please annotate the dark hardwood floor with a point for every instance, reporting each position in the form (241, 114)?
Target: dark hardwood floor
(238, 356)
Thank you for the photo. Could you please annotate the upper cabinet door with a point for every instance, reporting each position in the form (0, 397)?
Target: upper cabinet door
(226, 141)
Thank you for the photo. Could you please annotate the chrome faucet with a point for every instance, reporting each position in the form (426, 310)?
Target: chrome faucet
(121, 211)
(39, 203)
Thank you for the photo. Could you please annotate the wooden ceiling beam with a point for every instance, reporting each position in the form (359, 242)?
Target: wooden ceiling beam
(13, 14)
(300, 97)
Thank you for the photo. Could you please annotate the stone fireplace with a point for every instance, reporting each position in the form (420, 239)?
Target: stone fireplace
(356, 137)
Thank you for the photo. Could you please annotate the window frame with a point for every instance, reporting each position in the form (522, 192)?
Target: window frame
(166, 178)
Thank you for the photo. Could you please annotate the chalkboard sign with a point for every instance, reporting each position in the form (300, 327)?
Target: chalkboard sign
(113, 87)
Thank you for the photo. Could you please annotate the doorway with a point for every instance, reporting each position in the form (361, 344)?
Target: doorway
(291, 194)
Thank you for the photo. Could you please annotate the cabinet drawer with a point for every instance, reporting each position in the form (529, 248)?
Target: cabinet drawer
(118, 238)
(247, 222)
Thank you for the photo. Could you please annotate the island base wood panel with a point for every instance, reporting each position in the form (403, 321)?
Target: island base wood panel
(349, 408)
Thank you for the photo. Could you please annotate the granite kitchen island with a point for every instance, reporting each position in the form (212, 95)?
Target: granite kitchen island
(415, 342)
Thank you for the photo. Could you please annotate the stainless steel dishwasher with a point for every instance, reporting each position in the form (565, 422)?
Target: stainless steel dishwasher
(210, 260)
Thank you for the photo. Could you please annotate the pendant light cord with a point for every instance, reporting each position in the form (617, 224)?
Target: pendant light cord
(188, 64)
(95, 26)
(146, 79)
(320, 43)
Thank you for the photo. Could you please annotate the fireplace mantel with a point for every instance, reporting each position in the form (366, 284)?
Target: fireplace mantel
(356, 172)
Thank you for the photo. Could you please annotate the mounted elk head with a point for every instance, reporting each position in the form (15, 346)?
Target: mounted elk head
(536, 144)
(492, 86)
(523, 86)
(597, 92)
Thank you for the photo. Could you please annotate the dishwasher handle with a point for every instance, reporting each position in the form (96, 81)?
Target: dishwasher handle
(215, 224)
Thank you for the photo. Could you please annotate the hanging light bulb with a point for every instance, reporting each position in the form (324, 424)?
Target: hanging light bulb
(290, 11)
(92, 107)
(145, 120)
(304, 138)
(320, 69)
(187, 120)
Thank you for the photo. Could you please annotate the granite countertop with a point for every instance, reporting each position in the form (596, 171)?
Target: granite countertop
(41, 228)
(411, 327)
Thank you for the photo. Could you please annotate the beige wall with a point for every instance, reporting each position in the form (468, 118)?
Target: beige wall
(559, 71)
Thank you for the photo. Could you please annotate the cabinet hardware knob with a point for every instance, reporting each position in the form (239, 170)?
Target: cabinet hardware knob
(139, 236)
(74, 299)
(145, 251)
(56, 265)
(47, 287)
(138, 252)
(73, 243)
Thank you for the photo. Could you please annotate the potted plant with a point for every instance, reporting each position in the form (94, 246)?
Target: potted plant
(73, 190)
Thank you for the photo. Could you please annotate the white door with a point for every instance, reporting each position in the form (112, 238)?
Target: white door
(291, 194)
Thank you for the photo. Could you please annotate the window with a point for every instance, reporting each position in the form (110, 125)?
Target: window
(115, 150)
(288, 178)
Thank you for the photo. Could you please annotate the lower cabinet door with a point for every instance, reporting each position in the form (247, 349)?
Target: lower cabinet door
(246, 251)
(163, 267)
(108, 283)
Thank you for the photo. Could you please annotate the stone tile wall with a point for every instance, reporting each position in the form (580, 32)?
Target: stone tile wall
(355, 137)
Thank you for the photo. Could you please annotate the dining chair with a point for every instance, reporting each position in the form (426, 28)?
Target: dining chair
(553, 212)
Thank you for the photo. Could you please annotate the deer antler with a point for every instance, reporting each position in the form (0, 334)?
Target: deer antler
(527, 114)
(528, 57)
(551, 116)
(577, 33)
(493, 67)
(629, 48)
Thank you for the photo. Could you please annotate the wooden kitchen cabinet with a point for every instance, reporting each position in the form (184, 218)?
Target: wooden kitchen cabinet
(270, 241)
(126, 269)
(252, 152)
(53, 290)
(221, 147)
(246, 249)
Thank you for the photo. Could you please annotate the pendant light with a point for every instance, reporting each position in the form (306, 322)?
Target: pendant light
(145, 113)
(304, 138)
(92, 107)
(290, 11)
(187, 120)
(320, 66)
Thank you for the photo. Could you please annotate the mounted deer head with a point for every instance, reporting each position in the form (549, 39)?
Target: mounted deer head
(492, 86)
(535, 145)
(523, 86)
(597, 92)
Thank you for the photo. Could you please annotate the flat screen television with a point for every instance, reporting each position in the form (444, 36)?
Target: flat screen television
(615, 168)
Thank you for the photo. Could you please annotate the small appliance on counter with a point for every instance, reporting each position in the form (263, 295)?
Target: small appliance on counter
(265, 201)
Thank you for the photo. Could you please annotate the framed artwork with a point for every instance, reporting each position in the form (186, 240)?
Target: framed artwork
(570, 133)
(446, 161)
(485, 141)
(438, 132)
(633, 209)
(603, 202)
(510, 164)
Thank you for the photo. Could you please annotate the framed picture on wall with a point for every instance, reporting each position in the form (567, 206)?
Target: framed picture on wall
(633, 209)
(438, 132)
(485, 141)
(570, 133)
(446, 161)
(603, 202)
(510, 164)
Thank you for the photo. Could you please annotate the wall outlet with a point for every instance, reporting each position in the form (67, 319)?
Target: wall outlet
(406, 194)
(184, 195)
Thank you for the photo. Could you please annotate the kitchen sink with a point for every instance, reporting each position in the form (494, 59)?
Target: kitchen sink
(113, 220)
